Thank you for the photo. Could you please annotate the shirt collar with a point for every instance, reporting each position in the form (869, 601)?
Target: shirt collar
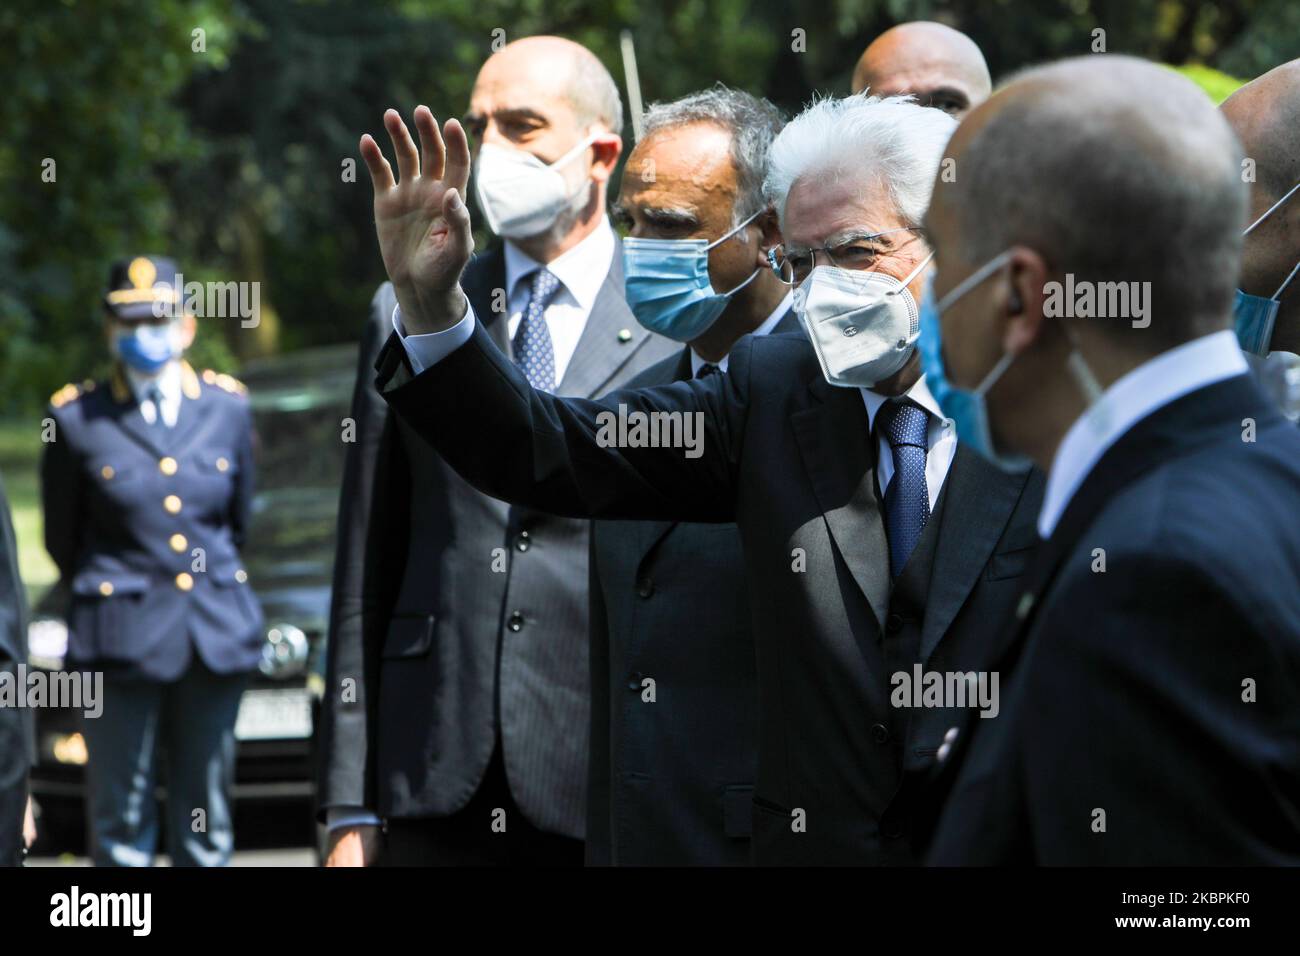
(168, 382)
(918, 393)
(581, 270)
(1133, 397)
(768, 325)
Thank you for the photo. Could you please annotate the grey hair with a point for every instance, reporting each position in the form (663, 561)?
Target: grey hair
(593, 94)
(753, 123)
(1112, 169)
(890, 138)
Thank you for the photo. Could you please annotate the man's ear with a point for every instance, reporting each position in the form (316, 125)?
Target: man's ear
(1025, 297)
(605, 151)
(769, 233)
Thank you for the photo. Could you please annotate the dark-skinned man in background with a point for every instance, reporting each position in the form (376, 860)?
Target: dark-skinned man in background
(940, 66)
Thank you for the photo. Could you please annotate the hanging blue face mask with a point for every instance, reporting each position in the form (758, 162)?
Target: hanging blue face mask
(1253, 315)
(668, 288)
(146, 348)
(967, 409)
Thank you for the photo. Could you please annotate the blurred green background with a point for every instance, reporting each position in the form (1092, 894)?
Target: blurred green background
(230, 157)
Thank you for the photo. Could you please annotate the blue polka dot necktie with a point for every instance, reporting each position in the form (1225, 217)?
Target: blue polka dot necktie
(907, 499)
(534, 352)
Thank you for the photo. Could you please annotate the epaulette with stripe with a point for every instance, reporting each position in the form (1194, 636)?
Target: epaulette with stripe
(225, 382)
(71, 392)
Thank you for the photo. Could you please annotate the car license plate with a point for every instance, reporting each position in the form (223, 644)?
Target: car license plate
(274, 715)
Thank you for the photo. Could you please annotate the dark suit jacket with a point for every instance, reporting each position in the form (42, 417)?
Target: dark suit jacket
(1128, 696)
(790, 460)
(16, 751)
(142, 601)
(454, 615)
(671, 780)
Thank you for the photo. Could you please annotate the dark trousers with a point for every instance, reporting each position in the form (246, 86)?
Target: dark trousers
(468, 837)
(192, 720)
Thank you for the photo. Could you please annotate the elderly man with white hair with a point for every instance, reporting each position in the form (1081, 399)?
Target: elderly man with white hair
(881, 557)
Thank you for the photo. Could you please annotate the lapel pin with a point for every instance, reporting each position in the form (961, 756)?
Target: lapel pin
(625, 335)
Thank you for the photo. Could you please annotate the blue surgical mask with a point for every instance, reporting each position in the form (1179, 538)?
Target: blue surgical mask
(969, 409)
(1253, 315)
(147, 348)
(668, 288)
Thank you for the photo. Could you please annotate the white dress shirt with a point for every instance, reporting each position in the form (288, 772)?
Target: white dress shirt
(940, 438)
(1133, 397)
(581, 271)
(168, 382)
(768, 325)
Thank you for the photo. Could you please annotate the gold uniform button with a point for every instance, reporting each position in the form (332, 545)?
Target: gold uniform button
(184, 581)
(241, 575)
(178, 542)
(108, 472)
(106, 588)
(167, 465)
(222, 464)
(173, 504)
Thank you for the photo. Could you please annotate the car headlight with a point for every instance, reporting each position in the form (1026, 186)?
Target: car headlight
(285, 652)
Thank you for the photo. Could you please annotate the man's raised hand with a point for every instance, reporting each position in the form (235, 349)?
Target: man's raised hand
(421, 220)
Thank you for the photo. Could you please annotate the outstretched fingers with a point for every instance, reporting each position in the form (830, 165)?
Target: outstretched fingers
(430, 142)
(381, 174)
(408, 158)
(457, 156)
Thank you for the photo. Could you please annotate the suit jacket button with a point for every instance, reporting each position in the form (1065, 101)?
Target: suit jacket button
(880, 733)
(173, 504)
(106, 588)
(223, 464)
(167, 465)
(634, 680)
(184, 581)
(177, 542)
(516, 621)
(241, 576)
(894, 623)
(522, 541)
(891, 830)
(108, 472)
(645, 587)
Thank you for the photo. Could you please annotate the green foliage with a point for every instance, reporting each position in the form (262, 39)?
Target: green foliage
(232, 159)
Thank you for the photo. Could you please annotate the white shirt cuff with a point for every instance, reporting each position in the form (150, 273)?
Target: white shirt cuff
(337, 818)
(425, 351)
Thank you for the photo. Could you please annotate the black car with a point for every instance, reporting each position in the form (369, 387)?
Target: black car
(300, 405)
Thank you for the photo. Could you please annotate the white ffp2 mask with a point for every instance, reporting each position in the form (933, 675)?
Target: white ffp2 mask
(862, 325)
(519, 194)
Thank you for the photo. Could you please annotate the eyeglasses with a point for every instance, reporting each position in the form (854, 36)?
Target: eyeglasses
(856, 251)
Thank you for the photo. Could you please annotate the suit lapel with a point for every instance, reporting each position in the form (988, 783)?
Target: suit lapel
(979, 500)
(193, 412)
(838, 453)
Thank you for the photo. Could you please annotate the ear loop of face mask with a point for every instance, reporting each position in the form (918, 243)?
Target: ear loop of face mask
(723, 238)
(1075, 364)
(1268, 212)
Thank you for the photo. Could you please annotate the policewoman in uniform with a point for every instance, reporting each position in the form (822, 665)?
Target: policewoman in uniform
(146, 486)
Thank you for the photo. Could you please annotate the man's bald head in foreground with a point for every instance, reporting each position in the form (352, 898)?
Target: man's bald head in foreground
(940, 66)
(1265, 114)
(1104, 173)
